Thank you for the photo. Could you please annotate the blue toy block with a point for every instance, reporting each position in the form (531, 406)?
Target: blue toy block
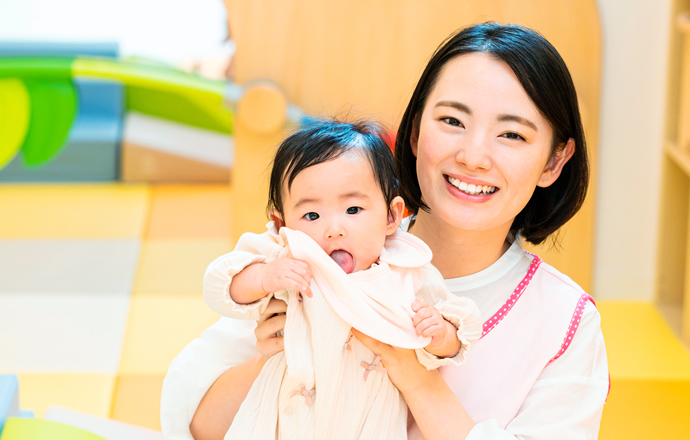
(26, 414)
(92, 151)
(40, 49)
(9, 397)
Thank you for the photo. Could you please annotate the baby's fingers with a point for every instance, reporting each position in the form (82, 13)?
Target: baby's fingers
(424, 313)
(419, 304)
(296, 282)
(424, 325)
(434, 330)
(306, 281)
(303, 272)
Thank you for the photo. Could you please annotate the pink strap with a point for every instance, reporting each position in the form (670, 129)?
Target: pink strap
(517, 293)
(574, 324)
(371, 367)
(305, 393)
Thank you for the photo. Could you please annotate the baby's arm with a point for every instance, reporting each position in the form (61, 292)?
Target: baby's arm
(462, 322)
(428, 321)
(258, 280)
(241, 270)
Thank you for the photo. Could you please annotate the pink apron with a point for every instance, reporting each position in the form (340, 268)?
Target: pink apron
(532, 329)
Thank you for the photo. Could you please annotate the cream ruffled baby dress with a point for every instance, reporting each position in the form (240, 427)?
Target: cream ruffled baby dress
(327, 385)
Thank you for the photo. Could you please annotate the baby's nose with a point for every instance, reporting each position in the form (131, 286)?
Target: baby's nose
(335, 232)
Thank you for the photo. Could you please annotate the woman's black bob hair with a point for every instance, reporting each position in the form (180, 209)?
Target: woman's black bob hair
(320, 141)
(546, 80)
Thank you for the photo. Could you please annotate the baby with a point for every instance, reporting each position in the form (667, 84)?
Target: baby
(334, 253)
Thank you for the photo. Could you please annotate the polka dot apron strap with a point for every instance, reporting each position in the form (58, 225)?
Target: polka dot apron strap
(574, 324)
(517, 293)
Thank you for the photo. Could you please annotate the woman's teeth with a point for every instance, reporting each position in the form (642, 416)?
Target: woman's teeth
(471, 189)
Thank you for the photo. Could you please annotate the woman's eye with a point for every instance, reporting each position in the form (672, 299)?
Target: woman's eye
(353, 210)
(311, 216)
(452, 121)
(513, 136)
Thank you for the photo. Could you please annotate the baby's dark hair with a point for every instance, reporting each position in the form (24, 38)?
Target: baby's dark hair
(322, 140)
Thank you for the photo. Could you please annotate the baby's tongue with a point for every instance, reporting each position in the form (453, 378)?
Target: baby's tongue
(344, 260)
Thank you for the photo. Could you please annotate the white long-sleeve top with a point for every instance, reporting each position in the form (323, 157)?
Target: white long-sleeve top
(325, 385)
(564, 401)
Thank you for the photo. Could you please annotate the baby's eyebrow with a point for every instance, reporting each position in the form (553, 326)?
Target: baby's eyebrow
(306, 201)
(354, 195)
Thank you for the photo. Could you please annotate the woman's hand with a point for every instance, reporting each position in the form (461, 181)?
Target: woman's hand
(404, 370)
(270, 323)
(435, 408)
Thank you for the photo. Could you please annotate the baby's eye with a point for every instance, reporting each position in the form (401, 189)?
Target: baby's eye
(513, 136)
(311, 216)
(353, 210)
(452, 121)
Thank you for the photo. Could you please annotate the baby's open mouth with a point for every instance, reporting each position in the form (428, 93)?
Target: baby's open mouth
(344, 260)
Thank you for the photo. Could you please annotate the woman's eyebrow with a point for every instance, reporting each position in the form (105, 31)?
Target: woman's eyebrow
(518, 119)
(456, 105)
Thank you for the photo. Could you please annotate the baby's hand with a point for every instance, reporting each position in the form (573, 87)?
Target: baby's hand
(429, 322)
(286, 273)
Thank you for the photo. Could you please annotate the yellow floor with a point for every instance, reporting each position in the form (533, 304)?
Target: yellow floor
(174, 232)
(177, 231)
(650, 375)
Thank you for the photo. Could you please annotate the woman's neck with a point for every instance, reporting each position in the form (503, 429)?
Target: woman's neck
(458, 252)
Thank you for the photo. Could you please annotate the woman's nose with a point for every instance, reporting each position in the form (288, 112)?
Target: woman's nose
(474, 153)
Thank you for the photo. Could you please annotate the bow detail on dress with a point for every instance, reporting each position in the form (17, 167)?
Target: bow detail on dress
(372, 366)
(305, 393)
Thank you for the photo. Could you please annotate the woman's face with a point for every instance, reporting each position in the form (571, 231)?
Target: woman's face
(482, 146)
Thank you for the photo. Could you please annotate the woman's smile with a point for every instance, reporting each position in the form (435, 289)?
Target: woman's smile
(471, 187)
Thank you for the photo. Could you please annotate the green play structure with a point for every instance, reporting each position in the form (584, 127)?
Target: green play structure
(39, 100)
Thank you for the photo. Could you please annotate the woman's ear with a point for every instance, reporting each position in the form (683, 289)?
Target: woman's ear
(555, 164)
(277, 219)
(414, 136)
(395, 215)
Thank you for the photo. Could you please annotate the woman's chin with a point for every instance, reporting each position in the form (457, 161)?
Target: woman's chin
(471, 219)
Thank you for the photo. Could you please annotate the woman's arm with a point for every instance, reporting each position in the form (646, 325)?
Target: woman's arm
(217, 409)
(221, 402)
(202, 380)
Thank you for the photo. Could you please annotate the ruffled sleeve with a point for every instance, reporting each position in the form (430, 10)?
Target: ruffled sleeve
(462, 312)
(250, 249)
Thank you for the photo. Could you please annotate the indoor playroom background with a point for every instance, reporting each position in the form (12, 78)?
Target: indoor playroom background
(134, 142)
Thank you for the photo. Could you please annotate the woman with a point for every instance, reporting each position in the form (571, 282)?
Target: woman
(491, 146)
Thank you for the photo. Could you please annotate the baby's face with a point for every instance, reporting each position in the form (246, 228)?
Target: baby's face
(340, 206)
